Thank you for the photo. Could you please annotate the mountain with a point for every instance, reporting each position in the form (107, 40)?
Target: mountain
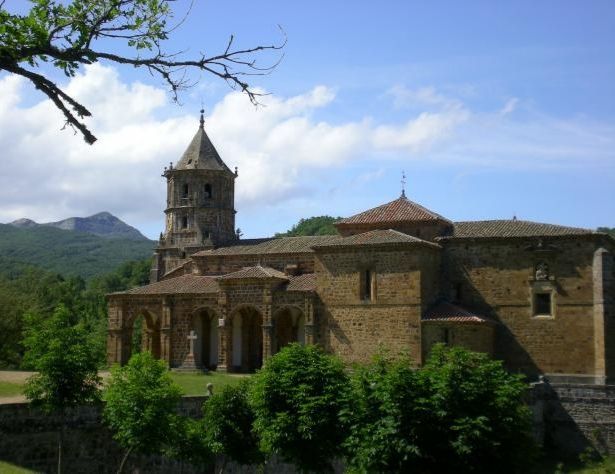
(68, 252)
(103, 224)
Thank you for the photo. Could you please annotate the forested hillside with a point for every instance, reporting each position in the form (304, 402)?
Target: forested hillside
(29, 293)
(67, 252)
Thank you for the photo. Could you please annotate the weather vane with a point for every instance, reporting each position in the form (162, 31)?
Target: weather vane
(403, 183)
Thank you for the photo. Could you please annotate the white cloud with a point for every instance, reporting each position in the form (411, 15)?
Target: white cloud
(509, 106)
(281, 150)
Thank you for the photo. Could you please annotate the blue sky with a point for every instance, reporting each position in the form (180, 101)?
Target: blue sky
(492, 109)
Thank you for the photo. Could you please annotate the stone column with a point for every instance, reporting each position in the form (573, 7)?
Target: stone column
(309, 321)
(165, 331)
(114, 346)
(114, 334)
(224, 334)
(604, 349)
(267, 324)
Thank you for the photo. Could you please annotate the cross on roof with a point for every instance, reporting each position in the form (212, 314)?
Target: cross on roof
(403, 183)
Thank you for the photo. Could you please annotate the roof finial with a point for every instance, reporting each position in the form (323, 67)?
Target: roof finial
(403, 183)
(202, 121)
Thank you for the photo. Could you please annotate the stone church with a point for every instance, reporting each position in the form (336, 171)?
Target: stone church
(538, 296)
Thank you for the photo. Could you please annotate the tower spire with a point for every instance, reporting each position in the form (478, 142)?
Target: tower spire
(403, 183)
(202, 120)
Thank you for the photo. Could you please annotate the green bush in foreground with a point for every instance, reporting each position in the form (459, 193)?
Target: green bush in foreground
(297, 398)
(462, 412)
(60, 351)
(141, 400)
(227, 425)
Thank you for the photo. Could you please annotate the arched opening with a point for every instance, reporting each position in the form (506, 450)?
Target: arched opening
(185, 191)
(288, 326)
(207, 191)
(205, 326)
(247, 339)
(143, 334)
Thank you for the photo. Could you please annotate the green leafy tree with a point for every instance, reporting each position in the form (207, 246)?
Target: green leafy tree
(228, 425)
(462, 412)
(318, 225)
(141, 399)
(69, 34)
(297, 398)
(188, 443)
(383, 413)
(59, 350)
(607, 230)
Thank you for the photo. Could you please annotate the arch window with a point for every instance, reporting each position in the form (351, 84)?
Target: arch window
(185, 222)
(185, 190)
(207, 192)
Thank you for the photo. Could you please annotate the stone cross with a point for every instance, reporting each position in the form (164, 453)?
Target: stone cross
(192, 337)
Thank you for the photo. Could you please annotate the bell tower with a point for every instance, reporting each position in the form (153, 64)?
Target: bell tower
(200, 212)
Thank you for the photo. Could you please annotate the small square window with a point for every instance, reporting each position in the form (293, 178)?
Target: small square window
(542, 304)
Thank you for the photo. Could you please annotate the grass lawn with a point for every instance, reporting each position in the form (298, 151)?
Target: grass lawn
(6, 468)
(8, 389)
(195, 384)
(606, 466)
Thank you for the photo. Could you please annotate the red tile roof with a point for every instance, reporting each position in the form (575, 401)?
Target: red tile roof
(306, 282)
(185, 284)
(257, 272)
(510, 228)
(400, 210)
(375, 237)
(450, 313)
(280, 245)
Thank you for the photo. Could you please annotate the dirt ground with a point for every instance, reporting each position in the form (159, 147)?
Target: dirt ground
(20, 377)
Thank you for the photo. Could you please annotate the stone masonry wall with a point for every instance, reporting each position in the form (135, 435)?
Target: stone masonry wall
(475, 337)
(355, 328)
(571, 418)
(495, 278)
(230, 263)
(29, 438)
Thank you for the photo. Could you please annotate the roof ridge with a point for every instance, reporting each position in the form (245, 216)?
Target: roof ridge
(399, 210)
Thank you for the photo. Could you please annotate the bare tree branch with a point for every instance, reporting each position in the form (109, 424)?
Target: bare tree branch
(63, 33)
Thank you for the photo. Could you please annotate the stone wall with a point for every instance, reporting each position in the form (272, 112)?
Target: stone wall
(476, 337)
(29, 438)
(496, 278)
(221, 264)
(571, 418)
(405, 282)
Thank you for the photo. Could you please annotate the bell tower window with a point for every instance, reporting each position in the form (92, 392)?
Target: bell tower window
(185, 222)
(207, 191)
(185, 190)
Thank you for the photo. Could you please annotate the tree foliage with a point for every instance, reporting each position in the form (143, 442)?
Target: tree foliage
(297, 397)
(70, 34)
(607, 230)
(60, 351)
(228, 425)
(318, 225)
(462, 412)
(26, 290)
(141, 399)
(67, 366)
